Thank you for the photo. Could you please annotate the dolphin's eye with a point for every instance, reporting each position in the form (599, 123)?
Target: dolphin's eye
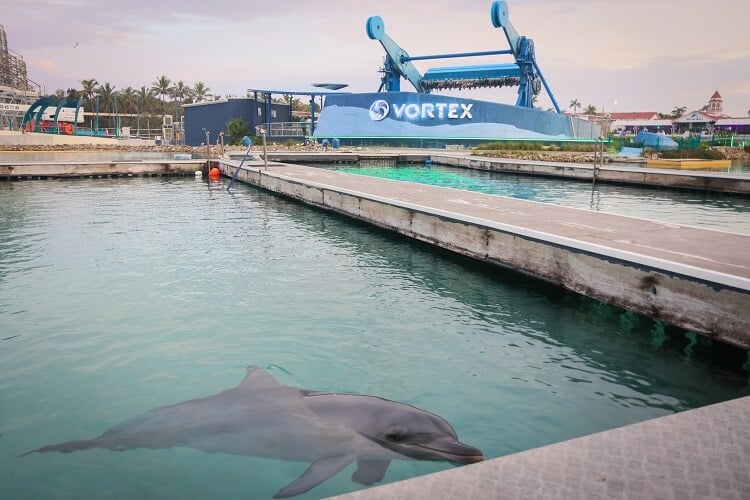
(395, 435)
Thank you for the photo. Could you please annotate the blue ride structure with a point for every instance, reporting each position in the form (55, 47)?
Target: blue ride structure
(524, 72)
(391, 113)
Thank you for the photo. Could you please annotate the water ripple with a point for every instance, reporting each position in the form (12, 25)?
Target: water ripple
(117, 296)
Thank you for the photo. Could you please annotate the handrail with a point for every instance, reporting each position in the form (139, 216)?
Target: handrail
(285, 129)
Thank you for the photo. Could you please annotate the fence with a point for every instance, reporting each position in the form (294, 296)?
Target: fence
(285, 129)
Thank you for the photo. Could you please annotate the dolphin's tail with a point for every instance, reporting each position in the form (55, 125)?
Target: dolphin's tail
(66, 447)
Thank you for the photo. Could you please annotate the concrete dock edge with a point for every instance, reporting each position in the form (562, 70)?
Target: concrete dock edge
(702, 453)
(706, 295)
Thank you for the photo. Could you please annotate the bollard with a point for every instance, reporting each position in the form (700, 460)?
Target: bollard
(265, 153)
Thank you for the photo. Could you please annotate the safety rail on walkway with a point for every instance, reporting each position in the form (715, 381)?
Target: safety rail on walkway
(285, 129)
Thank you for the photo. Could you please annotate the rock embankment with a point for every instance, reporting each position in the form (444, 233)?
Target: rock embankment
(560, 156)
(733, 153)
(555, 156)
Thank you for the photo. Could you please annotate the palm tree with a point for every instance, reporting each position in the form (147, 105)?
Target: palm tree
(200, 91)
(162, 87)
(106, 93)
(128, 97)
(575, 104)
(678, 111)
(89, 88)
(590, 110)
(143, 97)
(180, 92)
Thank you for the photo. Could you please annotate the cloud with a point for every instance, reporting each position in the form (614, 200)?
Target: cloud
(646, 54)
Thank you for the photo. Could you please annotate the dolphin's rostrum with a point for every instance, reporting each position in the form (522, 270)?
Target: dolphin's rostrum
(264, 418)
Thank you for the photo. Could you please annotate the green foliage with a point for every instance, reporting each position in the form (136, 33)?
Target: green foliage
(236, 129)
(578, 147)
(511, 146)
(535, 146)
(678, 111)
(702, 152)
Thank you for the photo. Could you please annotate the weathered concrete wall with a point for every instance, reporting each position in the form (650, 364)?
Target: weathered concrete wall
(710, 303)
(87, 169)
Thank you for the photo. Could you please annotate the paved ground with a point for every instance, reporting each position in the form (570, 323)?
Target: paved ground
(703, 453)
(678, 248)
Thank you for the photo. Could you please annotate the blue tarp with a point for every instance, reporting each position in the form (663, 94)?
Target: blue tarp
(652, 140)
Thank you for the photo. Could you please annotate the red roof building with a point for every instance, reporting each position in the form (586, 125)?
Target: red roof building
(635, 115)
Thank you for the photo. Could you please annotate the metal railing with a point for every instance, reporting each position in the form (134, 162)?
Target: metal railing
(285, 129)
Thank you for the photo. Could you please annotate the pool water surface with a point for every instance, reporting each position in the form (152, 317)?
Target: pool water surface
(122, 295)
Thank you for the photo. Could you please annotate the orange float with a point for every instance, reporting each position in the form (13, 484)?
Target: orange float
(214, 173)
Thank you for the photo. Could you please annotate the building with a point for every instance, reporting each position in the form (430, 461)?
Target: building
(702, 121)
(278, 120)
(634, 122)
(211, 117)
(16, 90)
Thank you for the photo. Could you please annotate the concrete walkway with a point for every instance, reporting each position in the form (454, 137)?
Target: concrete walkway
(697, 279)
(702, 454)
(631, 174)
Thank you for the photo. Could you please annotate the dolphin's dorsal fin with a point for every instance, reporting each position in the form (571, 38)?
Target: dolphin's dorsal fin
(370, 471)
(319, 471)
(257, 379)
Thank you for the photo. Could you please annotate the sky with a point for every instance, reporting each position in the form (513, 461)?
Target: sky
(636, 55)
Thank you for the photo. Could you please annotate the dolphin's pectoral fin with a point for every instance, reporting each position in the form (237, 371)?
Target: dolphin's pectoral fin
(319, 471)
(370, 471)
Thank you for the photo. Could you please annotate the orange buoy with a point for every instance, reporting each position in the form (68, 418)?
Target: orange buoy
(214, 173)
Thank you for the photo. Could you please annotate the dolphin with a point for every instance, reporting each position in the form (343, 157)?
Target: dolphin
(264, 418)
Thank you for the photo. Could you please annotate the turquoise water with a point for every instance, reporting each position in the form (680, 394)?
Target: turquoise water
(121, 295)
(699, 209)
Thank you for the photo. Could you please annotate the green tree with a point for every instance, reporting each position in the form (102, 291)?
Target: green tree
(162, 87)
(88, 88)
(200, 91)
(575, 104)
(590, 110)
(144, 100)
(678, 111)
(180, 92)
(128, 96)
(237, 128)
(106, 93)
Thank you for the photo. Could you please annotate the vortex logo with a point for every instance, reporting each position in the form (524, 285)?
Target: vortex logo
(379, 110)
